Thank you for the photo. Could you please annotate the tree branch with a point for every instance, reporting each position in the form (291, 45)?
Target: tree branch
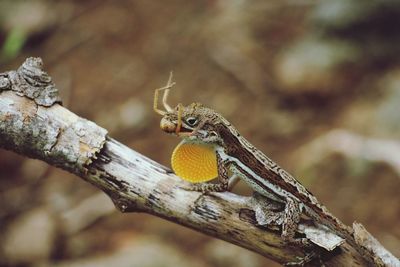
(33, 123)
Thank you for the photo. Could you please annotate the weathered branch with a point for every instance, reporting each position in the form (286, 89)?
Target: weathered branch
(33, 123)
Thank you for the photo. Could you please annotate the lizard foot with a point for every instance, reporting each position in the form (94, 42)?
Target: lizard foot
(206, 188)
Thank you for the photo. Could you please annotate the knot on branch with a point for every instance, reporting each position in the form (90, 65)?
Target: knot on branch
(36, 125)
(31, 81)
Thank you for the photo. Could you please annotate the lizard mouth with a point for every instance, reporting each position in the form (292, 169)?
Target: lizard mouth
(171, 128)
(184, 132)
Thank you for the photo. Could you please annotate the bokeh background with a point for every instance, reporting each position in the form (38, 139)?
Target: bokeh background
(315, 85)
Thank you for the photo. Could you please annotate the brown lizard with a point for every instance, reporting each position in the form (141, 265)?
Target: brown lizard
(212, 146)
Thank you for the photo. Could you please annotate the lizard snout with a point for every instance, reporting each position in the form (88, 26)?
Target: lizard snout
(167, 126)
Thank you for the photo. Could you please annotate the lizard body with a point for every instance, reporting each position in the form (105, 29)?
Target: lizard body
(199, 125)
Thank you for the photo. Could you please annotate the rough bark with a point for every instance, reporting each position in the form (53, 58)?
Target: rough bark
(33, 123)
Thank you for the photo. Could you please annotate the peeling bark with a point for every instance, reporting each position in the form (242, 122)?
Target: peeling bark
(33, 123)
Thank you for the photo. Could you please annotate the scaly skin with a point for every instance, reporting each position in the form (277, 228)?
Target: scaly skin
(201, 125)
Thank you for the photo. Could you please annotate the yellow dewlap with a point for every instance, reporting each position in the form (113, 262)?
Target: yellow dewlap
(195, 163)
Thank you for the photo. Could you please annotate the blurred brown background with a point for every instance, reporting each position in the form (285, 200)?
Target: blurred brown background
(315, 85)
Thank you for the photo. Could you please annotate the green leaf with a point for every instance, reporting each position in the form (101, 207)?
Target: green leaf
(13, 44)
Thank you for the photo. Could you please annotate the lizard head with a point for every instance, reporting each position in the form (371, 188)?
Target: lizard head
(194, 159)
(194, 122)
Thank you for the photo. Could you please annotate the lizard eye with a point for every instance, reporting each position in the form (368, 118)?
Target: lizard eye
(192, 121)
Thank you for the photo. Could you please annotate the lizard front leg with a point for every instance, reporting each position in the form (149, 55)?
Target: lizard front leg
(223, 180)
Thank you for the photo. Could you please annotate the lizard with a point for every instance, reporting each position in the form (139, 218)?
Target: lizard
(212, 147)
